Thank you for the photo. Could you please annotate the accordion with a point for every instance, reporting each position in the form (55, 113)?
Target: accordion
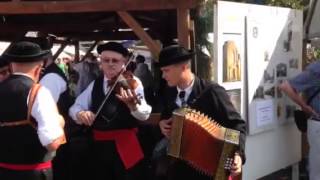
(202, 143)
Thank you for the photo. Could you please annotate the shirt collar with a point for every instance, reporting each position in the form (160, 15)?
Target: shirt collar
(187, 89)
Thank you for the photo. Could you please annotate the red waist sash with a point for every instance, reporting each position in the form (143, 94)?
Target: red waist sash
(26, 167)
(126, 142)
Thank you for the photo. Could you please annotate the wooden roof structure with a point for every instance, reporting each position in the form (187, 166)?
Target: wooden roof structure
(72, 21)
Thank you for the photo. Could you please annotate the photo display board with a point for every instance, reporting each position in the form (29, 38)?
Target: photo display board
(256, 49)
(274, 54)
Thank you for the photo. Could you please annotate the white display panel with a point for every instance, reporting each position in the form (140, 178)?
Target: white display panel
(274, 52)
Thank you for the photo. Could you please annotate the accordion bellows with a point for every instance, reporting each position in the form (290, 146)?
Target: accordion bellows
(202, 143)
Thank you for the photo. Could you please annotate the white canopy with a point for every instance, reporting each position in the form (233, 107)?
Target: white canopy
(68, 52)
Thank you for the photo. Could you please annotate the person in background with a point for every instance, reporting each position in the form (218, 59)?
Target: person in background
(55, 80)
(31, 128)
(144, 74)
(88, 71)
(308, 82)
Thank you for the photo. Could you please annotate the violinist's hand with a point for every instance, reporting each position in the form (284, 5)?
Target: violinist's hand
(129, 97)
(236, 167)
(165, 127)
(86, 117)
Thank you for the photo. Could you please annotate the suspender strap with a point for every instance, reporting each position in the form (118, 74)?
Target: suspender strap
(32, 97)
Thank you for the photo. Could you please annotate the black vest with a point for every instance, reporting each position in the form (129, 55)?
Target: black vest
(19, 144)
(114, 110)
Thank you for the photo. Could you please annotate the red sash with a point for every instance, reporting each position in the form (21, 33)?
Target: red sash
(126, 142)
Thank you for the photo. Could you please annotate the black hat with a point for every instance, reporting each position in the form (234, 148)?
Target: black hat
(45, 43)
(174, 54)
(24, 52)
(3, 62)
(113, 46)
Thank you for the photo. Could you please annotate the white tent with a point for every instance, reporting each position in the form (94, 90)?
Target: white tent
(3, 46)
(68, 52)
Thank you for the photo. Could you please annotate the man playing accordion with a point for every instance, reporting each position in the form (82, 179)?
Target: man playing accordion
(185, 89)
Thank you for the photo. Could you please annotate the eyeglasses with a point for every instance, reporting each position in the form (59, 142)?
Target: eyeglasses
(112, 60)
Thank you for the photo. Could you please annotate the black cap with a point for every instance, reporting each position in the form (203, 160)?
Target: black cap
(113, 46)
(174, 54)
(140, 59)
(24, 52)
(45, 43)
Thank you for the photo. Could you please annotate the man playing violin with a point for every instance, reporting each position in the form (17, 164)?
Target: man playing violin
(116, 151)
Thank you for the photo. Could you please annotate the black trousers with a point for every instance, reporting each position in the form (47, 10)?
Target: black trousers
(72, 160)
(60, 164)
(6, 174)
(181, 170)
(107, 164)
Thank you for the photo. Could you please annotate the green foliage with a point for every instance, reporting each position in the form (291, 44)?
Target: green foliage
(316, 53)
(204, 24)
(295, 4)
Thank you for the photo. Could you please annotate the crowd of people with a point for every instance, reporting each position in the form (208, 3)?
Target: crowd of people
(90, 120)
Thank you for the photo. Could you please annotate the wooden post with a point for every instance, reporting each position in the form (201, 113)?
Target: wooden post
(77, 51)
(183, 23)
(139, 31)
(193, 48)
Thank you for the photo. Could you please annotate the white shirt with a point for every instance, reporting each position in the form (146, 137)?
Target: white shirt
(55, 84)
(83, 102)
(45, 112)
(188, 91)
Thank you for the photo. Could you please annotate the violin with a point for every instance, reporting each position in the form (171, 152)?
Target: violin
(127, 82)
(124, 80)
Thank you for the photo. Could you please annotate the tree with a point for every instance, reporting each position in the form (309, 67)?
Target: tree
(203, 22)
(295, 4)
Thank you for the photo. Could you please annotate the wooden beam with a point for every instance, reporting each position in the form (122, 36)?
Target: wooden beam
(139, 31)
(60, 50)
(89, 50)
(84, 26)
(183, 24)
(53, 27)
(80, 36)
(35, 39)
(77, 6)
